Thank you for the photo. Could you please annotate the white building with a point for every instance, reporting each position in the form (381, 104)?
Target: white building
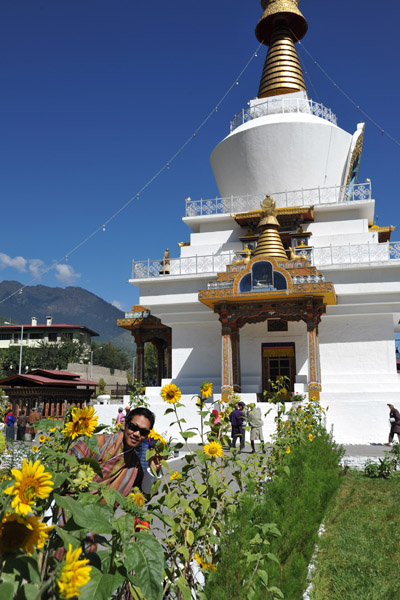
(327, 318)
(34, 333)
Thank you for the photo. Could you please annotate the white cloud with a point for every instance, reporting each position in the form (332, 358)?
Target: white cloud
(118, 304)
(36, 267)
(18, 262)
(66, 274)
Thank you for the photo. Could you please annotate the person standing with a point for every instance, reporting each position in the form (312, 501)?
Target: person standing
(33, 418)
(21, 425)
(120, 417)
(394, 418)
(237, 421)
(254, 419)
(9, 420)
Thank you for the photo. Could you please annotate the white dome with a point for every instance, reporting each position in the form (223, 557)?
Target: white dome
(281, 152)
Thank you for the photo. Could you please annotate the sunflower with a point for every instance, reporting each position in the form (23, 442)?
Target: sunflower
(31, 482)
(138, 498)
(206, 389)
(175, 475)
(310, 437)
(83, 422)
(74, 575)
(35, 448)
(42, 439)
(171, 393)
(203, 564)
(288, 450)
(157, 437)
(213, 449)
(19, 533)
(52, 429)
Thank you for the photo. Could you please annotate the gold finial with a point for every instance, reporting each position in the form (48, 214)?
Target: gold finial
(280, 10)
(268, 205)
(280, 26)
(269, 243)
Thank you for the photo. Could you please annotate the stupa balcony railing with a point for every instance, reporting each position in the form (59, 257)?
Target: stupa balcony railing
(348, 254)
(280, 106)
(184, 265)
(323, 256)
(304, 197)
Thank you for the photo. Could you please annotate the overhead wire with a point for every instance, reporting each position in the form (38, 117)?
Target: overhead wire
(166, 165)
(346, 95)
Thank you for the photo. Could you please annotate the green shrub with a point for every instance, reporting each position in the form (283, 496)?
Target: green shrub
(384, 468)
(295, 501)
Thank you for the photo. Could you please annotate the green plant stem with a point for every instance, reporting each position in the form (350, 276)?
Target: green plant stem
(47, 584)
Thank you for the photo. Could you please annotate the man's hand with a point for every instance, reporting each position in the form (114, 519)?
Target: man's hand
(155, 463)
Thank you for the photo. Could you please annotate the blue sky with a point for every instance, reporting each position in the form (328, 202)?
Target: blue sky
(97, 95)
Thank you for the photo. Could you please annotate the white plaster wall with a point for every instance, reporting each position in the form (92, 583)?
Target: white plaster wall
(358, 354)
(196, 354)
(251, 339)
(281, 152)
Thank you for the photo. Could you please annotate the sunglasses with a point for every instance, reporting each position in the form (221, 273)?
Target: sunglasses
(133, 427)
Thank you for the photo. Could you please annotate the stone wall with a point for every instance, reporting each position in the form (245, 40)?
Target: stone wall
(86, 372)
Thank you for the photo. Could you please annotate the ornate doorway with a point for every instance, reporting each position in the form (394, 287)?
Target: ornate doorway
(278, 360)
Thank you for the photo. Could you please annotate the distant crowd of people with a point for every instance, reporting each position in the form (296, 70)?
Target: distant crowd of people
(16, 427)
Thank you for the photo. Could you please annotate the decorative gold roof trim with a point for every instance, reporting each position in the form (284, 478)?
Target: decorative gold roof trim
(356, 153)
(292, 210)
(385, 229)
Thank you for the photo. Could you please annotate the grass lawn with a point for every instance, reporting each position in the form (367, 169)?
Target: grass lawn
(359, 554)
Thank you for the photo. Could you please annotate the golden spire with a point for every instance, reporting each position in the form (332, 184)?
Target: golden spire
(280, 26)
(269, 243)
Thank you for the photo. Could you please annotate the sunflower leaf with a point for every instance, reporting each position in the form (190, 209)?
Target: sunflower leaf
(7, 591)
(146, 558)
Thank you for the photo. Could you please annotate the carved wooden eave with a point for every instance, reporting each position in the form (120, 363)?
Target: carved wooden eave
(287, 217)
(384, 233)
(303, 281)
(141, 320)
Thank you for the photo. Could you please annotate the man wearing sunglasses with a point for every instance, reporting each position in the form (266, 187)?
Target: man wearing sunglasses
(120, 465)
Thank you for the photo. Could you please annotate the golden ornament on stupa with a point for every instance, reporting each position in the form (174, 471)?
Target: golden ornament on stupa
(269, 243)
(280, 26)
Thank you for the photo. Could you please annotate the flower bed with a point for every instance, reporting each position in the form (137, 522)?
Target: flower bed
(56, 513)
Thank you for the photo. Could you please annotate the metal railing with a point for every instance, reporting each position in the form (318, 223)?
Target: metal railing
(355, 254)
(283, 106)
(320, 257)
(308, 197)
(211, 263)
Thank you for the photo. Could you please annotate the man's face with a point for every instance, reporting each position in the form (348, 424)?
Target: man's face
(132, 438)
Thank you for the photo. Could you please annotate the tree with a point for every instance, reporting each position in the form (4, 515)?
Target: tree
(107, 355)
(150, 363)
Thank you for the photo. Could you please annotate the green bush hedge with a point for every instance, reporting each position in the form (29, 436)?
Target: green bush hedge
(296, 502)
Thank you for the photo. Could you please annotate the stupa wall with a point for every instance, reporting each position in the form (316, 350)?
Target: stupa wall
(300, 151)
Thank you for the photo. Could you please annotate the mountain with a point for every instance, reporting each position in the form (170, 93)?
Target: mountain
(72, 305)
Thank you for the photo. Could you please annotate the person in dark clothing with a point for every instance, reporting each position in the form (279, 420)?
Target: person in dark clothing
(394, 418)
(9, 421)
(237, 419)
(22, 422)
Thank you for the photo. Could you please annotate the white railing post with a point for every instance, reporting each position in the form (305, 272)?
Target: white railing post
(302, 197)
(331, 255)
(232, 204)
(350, 252)
(148, 267)
(196, 268)
(369, 253)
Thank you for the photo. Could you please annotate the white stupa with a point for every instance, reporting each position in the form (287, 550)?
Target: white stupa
(301, 284)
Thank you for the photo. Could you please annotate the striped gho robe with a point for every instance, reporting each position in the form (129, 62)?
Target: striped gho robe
(121, 470)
